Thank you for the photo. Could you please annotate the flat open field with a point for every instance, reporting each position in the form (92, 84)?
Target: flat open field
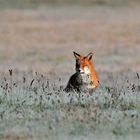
(38, 44)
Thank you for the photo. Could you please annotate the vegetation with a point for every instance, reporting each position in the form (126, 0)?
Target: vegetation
(38, 108)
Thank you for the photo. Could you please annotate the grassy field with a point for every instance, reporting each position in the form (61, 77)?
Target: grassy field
(36, 60)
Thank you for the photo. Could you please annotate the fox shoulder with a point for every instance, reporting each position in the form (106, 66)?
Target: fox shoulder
(74, 82)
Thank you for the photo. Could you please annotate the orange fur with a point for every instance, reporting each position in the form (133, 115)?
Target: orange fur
(85, 77)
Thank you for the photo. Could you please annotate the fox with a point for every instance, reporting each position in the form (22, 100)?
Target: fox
(85, 79)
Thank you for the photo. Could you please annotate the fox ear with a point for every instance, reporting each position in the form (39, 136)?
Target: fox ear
(77, 56)
(89, 56)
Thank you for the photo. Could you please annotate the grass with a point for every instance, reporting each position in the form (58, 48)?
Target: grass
(39, 108)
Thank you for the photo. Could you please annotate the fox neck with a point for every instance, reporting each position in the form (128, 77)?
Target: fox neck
(85, 75)
(94, 78)
(85, 78)
(90, 78)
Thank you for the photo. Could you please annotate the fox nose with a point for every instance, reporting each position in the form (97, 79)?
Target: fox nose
(80, 71)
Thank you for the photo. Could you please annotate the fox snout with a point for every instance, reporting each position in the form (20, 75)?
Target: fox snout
(84, 70)
(80, 71)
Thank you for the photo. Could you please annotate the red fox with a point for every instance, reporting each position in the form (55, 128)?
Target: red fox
(85, 79)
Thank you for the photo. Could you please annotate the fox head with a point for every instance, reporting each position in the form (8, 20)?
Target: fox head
(84, 64)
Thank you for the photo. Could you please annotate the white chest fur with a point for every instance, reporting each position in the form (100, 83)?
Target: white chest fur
(85, 73)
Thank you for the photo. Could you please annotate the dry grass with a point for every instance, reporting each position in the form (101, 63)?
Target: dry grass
(47, 36)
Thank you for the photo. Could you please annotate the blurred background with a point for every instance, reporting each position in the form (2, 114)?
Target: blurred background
(40, 35)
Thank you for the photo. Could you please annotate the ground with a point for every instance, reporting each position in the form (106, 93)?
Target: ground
(37, 44)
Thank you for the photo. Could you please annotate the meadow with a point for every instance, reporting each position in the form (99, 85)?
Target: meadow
(36, 61)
